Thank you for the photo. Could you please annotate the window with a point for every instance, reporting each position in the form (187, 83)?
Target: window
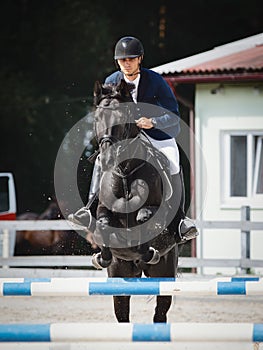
(258, 183)
(242, 167)
(4, 194)
(238, 165)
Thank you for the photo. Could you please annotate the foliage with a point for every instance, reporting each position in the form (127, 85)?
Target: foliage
(53, 51)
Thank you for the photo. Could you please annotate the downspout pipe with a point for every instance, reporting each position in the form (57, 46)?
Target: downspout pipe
(189, 104)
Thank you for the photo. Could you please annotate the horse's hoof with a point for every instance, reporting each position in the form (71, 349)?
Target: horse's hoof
(100, 263)
(95, 262)
(155, 258)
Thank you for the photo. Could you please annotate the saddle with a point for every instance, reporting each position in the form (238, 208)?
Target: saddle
(161, 163)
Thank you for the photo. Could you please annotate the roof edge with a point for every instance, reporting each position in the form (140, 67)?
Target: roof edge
(217, 52)
(213, 78)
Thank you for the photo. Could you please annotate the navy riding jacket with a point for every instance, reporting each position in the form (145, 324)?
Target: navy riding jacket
(155, 100)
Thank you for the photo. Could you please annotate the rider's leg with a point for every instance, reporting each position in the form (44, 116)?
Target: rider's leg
(84, 216)
(181, 224)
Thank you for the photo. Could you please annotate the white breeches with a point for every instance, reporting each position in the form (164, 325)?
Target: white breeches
(170, 149)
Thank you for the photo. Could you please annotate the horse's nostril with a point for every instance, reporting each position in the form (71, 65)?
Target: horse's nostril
(104, 221)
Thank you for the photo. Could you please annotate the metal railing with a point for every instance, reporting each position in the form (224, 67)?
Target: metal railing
(244, 263)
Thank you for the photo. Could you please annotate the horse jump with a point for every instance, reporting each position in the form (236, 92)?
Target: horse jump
(116, 336)
(124, 279)
(123, 287)
(127, 332)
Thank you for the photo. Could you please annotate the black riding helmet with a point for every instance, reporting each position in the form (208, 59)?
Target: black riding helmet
(128, 47)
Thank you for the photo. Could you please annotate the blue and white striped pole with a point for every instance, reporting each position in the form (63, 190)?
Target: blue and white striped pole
(126, 332)
(126, 279)
(82, 287)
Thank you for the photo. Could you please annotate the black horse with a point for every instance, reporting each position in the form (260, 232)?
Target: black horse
(131, 218)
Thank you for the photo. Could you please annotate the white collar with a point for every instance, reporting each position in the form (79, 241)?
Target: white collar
(135, 82)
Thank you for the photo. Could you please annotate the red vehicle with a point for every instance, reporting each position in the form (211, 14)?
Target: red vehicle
(7, 197)
(7, 212)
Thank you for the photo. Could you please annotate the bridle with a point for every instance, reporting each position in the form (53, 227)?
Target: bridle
(119, 170)
(110, 138)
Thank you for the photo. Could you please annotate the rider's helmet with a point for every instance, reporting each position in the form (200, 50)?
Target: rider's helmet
(128, 47)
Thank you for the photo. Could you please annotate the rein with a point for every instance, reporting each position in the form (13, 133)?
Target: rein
(122, 174)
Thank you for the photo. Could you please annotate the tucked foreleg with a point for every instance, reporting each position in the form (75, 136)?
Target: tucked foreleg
(102, 237)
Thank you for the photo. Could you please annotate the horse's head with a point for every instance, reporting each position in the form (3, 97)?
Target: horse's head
(104, 94)
(114, 119)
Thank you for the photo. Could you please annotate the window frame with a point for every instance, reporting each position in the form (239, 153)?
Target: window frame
(253, 152)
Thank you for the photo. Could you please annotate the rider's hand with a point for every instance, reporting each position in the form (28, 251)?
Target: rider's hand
(144, 123)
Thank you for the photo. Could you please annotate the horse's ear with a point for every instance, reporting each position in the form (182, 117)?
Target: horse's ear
(122, 85)
(97, 88)
(125, 88)
(97, 92)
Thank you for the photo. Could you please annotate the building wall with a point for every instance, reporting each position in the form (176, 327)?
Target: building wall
(220, 111)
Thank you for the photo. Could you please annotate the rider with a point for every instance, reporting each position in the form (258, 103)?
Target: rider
(148, 87)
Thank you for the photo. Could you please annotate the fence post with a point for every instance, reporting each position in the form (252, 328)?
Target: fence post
(5, 252)
(245, 238)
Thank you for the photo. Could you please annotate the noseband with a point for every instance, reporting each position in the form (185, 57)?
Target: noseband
(107, 138)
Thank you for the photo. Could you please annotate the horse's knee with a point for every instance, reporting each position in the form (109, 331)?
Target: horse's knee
(144, 215)
(103, 231)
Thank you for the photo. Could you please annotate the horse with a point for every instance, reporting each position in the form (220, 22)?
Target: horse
(133, 186)
(50, 242)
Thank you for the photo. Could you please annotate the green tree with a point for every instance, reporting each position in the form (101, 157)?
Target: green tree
(53, 51)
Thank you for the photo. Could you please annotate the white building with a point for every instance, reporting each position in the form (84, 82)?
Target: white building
(227, 114)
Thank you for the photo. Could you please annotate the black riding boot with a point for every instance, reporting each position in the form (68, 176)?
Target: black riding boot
(85, 216)
(184, 227)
